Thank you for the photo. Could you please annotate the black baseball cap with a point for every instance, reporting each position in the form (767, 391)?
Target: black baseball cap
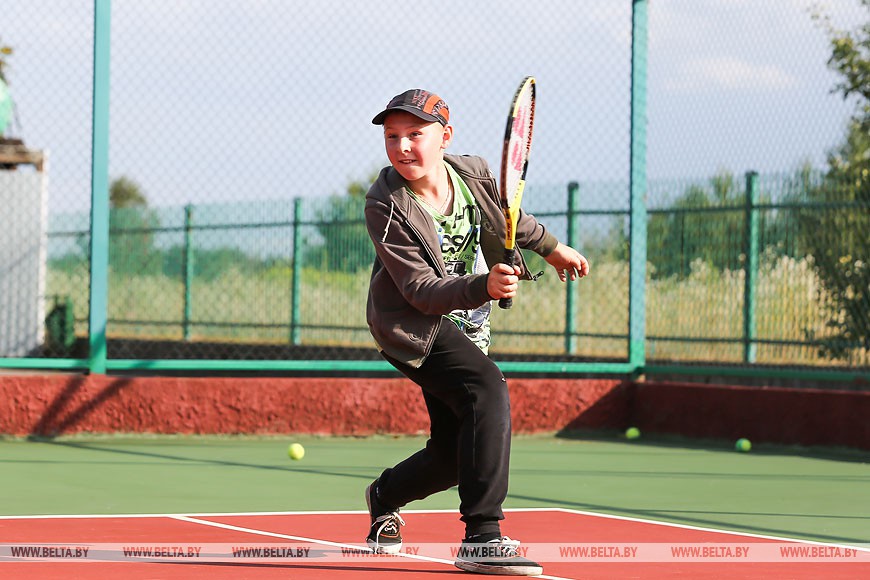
(425, 105)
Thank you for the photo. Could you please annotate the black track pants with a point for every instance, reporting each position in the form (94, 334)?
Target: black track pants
(469, 444)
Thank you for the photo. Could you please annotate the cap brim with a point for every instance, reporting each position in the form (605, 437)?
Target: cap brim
(380, 117)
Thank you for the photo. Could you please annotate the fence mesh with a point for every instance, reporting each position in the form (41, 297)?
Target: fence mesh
(241, 149)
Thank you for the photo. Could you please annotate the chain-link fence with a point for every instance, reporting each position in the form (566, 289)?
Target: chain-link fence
(240, 150)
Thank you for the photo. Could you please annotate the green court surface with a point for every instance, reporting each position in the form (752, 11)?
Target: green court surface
(778, 491)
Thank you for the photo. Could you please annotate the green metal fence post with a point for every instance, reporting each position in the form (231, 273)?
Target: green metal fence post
(188, 269)
(750, 278)
(99, 268)
(637, 186)
(296, 273)
(570, 288)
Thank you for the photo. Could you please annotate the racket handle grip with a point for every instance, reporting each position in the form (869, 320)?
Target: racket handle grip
(510, 260)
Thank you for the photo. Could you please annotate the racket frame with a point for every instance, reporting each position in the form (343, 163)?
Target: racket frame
(511, 205)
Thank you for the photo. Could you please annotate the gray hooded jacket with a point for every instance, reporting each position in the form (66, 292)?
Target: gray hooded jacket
(410, 289)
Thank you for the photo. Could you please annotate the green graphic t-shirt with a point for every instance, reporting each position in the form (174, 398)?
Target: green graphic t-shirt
(459, 235)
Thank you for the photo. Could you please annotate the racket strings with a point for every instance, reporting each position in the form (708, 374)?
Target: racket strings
(519, 145)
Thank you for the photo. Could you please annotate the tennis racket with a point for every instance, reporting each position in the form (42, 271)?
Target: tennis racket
(514, 163)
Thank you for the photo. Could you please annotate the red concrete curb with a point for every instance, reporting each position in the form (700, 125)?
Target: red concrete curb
(65, 404)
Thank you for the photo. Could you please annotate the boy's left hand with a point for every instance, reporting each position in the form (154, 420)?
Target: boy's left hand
(568, 262)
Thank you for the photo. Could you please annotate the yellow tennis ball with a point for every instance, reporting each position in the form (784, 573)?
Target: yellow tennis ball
(632, 433)
(296, 451)
(743, 445)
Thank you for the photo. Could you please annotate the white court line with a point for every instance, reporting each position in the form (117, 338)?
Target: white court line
(169, 515)
(714, 530)
(324, 542)
(233, 514)
(433, 511)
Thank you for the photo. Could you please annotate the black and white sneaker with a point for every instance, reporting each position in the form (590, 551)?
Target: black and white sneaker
(499, 556)
(385, 534)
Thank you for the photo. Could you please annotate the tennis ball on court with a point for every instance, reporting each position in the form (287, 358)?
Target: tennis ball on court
(296, 451)
(743, 445)
(632, 433)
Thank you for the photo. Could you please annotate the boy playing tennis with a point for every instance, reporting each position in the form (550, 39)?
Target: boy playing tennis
(438, 233)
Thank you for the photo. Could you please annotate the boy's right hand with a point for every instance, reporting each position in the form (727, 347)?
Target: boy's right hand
(503, 281)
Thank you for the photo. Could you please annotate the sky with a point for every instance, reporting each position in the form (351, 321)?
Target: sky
(218, 101)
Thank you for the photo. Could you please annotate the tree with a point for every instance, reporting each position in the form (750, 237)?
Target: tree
(131, 226)
(836, 234)
(346, 246)
(125, 193)
(694, 229)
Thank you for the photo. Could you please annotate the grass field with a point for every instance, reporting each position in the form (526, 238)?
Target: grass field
(781, 491)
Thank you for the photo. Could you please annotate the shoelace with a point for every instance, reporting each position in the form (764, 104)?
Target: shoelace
(390, 523)
(509, 548)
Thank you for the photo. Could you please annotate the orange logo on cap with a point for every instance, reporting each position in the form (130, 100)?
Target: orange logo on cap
(434, 105)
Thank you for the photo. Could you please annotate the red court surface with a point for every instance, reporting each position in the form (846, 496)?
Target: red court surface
(315, 546)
